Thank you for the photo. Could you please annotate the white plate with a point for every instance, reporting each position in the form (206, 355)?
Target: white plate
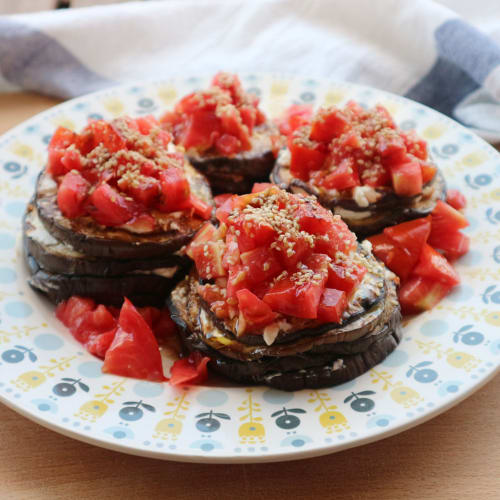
(445, 355)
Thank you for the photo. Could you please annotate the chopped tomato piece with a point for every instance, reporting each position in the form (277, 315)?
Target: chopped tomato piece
(220, 199)
(189, 371)
(146, 123)
(60, 141)
(407, 178)
(261, 186)
(253, 234)
(345, 278)
(328, 123)
(397, 259)
(175, 189)
(294, 299)
(344, 176)
(428, 171)
(205, 234)
(134, 351)
(104, 133)
(391, 148)
(228, 145)
(453, 244)
(445, 219)
(261, 264)
(295, 116)
(411, 236)
(146, 192)
(456, 199)
(306, 155)
(222, 212)
(71, 195)
(72, 160)
(421, 294)
(200, 130)
(237, 280)
(332, 305)
(434, 266)
(414, 144)
(204, 210)
(98, 344)
(232, 254)
(163, 326)
(110, 208)
(314, 218)
(255, 311)
(208, 259)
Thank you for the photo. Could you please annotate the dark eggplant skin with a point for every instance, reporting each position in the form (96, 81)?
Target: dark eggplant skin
(237, 174)
(60, 258)
(389, 210)
(89, 238)
(312, 361)
(141, 289)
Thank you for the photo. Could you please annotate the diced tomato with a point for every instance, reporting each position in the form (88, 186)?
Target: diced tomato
(414, 144)
(164, 327)
(232, 254)
(434, 266)
(328, 123)
(72, 311)
(337, 239)
(60, 141)
(104, 133)
(98, 344)
(421, 294)
(332, 305)
(295, 116)
(248, 116)
(456, 199)
(428, 171)
(306, 155)
(228, 145)
(220, 199)
(391, 148)
(72, 160)
(293, 299)
(261, 186)
(71, 195)
(453, 244)
(145, 192)
(411, 236)
(222, 212)
(233, 125)
(255, 311)
(134, 351)
(174, 188)
(385, 115)
(200, 130)
(237, 280)
(200, 208)
(261, 264)
(253, 234)
(146, 123)
(345, 278)
(189, 371)
(110, 208)
(351, 140)
(290, 256)
(344, 176)
(445, 219)
(313, 218)
(205, 233)
(230, 83)
(407, 178)
(208, 259)
(397, 259)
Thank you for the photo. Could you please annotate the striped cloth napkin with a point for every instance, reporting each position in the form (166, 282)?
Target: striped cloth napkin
(444, 54)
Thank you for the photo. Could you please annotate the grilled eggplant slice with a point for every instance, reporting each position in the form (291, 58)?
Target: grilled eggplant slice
(142, 288)
(89, 238)
(315, 356)
(61, 258)
(388, 210)
(238, 173)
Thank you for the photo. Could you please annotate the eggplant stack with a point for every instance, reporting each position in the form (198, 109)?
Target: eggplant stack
(308, 355)
(68, 257)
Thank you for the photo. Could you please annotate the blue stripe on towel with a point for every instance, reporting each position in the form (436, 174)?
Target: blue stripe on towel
(465, 58)
(34, 61)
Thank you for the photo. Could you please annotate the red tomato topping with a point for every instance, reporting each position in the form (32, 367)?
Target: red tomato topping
(134, 351)
(332, 305)
(190, 370)
(456, 199)
(434, 266)
(421, 294)
(255, 311)
(71, 195)
(261, 186)
(220, 199)
(272, 248)
(445, 219)
(131, 159)
(453, 244)
(339, 149)
(218, 120)
(295, 116)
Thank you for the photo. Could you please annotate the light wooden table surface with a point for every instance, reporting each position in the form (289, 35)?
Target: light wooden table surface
(454, 456)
